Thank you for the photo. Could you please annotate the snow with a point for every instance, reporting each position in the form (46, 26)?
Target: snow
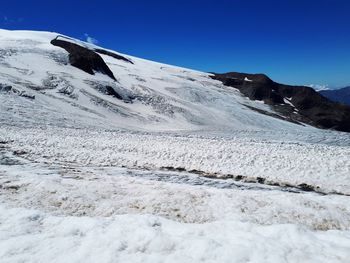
(83, 198)
(288, 101)
(276, 160)
(318, 87)
(140, 238)
(80, 213)
(184, 197)
(246, 79)
(85, 176)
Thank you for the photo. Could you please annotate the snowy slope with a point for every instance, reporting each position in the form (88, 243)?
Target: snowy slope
(165, 97)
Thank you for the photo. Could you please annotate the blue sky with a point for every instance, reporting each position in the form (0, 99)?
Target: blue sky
(296, 42)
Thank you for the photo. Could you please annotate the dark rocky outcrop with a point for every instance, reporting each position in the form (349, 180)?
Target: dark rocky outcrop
(9, 89)
(112, 89)
(295, 103)
(84, 58)
(113, 55)
(338, 95)
(5, 88)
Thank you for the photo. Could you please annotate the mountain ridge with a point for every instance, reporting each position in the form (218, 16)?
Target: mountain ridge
(313, 108)
(341, 95)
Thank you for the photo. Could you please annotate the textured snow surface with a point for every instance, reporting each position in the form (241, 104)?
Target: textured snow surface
(88, 208)
(184, 197)
(325, 166)
(60, 213)
(34, 236)
(83, 174)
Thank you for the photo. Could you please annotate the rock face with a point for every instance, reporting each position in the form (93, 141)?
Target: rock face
(295, 103)
(5, 88)
(338, 95)
(113, 55)
(84, 58)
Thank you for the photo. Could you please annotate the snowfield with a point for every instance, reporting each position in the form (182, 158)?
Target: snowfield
(178, 169)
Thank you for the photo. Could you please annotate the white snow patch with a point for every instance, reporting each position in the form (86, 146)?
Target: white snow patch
(288, 101)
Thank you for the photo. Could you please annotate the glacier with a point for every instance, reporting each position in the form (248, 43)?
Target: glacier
(162, 164)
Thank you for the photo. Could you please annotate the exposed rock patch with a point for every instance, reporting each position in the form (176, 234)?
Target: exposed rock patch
(295, 103)
(111, 89)
(84, 58)
(10, 89)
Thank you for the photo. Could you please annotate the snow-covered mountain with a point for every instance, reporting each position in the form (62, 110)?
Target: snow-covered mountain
(89, 84)
(105, 157)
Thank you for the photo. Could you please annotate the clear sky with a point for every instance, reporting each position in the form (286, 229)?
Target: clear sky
(293, 41)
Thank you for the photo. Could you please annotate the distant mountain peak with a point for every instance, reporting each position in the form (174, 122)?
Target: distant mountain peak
(319, 87)
(341, 95)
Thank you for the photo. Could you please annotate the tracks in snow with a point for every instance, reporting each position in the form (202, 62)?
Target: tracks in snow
(199, 178)
(180, 175)
(259, 183)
